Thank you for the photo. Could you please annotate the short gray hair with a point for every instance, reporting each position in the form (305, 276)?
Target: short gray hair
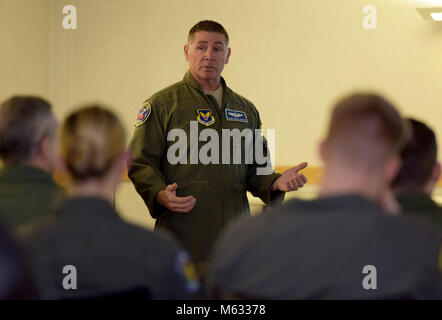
(24, 122)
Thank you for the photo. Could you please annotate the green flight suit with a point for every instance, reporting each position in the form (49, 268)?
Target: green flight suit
(219, 189)
(27, 195)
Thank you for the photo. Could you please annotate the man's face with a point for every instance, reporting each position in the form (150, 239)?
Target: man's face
(207, 54)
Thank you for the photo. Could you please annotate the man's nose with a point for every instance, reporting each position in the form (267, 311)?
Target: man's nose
(210, 54)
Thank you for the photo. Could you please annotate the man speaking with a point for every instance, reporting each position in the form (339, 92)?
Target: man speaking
(192, 198)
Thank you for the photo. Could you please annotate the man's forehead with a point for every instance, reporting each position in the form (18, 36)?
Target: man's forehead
(208, 37)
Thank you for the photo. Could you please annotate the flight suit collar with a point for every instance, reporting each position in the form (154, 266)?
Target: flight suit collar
(190, 80)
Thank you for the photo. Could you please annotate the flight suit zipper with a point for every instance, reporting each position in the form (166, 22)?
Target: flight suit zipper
(219, 112)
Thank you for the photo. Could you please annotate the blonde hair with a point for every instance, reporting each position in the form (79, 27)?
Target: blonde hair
(91, 140)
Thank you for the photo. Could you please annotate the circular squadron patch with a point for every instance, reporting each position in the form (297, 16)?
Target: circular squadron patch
(143, 114)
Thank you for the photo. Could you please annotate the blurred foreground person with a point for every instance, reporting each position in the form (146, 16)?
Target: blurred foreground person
(419, 174)
(88, 251)
(28, 152)
(341, 245)
(15, 280)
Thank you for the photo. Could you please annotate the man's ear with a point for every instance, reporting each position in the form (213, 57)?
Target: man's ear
(229, 52)
(186, 52)
(392, 167)
(45, 147)
(44, 154)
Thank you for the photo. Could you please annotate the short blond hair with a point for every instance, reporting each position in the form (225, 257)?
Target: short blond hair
(91, 140)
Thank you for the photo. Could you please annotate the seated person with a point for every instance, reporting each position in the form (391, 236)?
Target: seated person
(27, 149)
(418, 176)
(340, 245)
(88, 251)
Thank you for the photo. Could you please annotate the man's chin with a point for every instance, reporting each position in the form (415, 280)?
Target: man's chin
(209, 75)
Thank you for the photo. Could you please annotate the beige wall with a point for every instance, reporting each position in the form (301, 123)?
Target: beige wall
(291, 58)
(24, 47)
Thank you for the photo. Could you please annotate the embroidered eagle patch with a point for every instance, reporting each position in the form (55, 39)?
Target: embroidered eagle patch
(205, 117)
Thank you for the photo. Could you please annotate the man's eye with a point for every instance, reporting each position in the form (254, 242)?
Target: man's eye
(200, 48)
(218, 49)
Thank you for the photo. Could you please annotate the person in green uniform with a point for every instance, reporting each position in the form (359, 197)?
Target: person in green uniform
(419, 175)
(196, 193)
(27, 149)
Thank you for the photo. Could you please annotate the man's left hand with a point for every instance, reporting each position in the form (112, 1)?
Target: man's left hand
(290, 180)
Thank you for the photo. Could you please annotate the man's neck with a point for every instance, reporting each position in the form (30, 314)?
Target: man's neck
(341, 182)
(208, 84)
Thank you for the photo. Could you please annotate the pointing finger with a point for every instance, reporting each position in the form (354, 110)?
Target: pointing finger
(300, 166)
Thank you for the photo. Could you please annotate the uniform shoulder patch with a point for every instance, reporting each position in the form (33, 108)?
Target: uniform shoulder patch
(143, 114)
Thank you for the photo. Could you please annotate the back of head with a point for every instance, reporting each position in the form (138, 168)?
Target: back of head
(208, 26)
(365, 130)
(92, 138)
(24, 122)
(418, 158)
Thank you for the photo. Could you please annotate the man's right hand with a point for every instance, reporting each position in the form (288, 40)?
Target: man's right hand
(168, 198)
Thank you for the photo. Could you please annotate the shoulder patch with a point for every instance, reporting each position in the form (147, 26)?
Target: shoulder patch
(185, 268)
(143, 114)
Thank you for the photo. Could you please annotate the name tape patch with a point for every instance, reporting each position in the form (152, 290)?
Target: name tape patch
(236, 115)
